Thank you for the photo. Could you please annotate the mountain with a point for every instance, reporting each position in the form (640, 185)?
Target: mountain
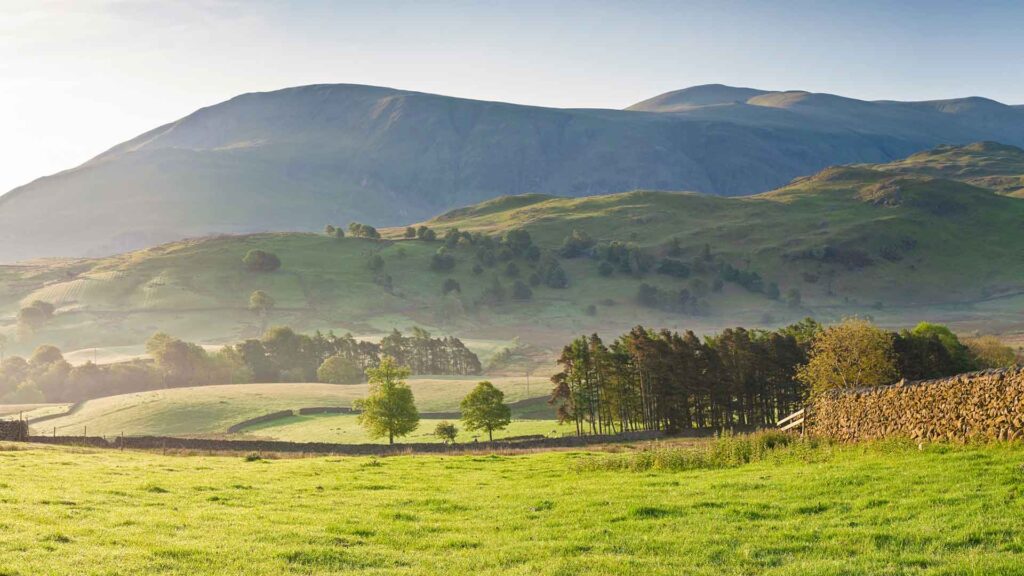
(299, 158)
(862, 240)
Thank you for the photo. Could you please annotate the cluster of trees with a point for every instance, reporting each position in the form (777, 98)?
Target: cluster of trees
(334, 232)
(389, 410)
(280, 355)
(420, 233)
(47, 377)
(647, 380)
(359, 230)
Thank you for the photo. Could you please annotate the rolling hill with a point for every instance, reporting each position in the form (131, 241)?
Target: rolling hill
(210, 410)
(849, 240)
(299, 158)
(990, 165)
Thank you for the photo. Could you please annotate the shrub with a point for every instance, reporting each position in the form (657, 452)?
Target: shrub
(261, 261)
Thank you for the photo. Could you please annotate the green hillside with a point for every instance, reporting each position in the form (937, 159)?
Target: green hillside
(849, 240)
(999, 167)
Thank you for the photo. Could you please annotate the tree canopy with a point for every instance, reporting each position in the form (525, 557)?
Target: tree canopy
(852, 354)
(261, 261)
(390, 409)
(484, 409)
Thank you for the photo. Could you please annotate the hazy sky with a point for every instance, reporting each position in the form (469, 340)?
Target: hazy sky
(82, 75)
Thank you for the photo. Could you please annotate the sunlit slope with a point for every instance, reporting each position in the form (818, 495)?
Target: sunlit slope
(850, 240)
(999, 167)
(210, 410)
(892, 239)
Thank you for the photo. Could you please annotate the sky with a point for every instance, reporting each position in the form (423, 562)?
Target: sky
(79, 76)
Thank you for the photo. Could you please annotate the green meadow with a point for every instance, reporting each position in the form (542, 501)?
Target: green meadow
(873, 509)
(210, 410)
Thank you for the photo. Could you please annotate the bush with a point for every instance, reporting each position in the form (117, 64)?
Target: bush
(451, 285)
(521, 291)
(674, 268)
(261, 261)
(442, 261)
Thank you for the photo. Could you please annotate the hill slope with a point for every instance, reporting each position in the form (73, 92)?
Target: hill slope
(298, 158)
(990, 165)
(850, 240)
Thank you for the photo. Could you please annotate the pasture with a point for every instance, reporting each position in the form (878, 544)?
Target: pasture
(210, 410)
(870, 509)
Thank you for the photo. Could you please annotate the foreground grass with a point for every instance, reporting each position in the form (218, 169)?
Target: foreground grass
(852, 510)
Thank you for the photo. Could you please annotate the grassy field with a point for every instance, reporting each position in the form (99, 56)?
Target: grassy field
(884, 509)
(210, 410)
(345, 429)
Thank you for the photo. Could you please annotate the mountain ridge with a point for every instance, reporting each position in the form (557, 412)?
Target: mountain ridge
(303, 157)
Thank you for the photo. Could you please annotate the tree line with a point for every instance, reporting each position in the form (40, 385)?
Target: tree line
(280, 355)
(663, 380)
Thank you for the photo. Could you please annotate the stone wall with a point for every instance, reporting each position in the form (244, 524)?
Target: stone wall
(987, 405)
(201, 444)
(14, 430)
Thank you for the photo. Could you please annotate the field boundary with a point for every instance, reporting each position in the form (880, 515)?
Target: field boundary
(271, 446)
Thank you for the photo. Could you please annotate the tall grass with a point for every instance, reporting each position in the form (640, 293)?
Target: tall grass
(727, 450)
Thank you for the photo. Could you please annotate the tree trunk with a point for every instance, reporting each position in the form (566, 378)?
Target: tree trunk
(490, 435)
(391, 438)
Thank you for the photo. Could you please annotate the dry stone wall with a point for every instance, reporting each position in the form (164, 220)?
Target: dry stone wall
(987, 405)
(16, 430)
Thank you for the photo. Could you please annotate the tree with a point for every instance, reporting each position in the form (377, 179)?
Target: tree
(339, 370)
(410, 232)
(521, 291)
(484, 409)
(450, 285)
(852, 354)
(426, 234)
(446, 431)
(261, 261)
(957, 351)
(261, 303)
(442, 261)
(375, 263)
(576, 244)
(389, 410)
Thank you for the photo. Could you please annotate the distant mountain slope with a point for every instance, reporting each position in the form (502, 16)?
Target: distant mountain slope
(299, 158)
